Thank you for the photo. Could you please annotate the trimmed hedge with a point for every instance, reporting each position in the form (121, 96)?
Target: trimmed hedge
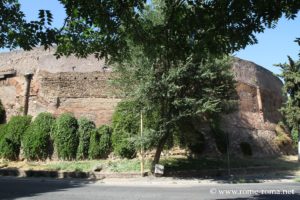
(36, 141)
(125, 125)
(10, 143)
(100, 143)
(65, 136)
(86, 127)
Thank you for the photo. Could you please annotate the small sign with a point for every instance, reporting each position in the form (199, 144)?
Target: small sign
(159, 169)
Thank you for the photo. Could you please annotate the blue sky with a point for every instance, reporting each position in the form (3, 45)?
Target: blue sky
(273, 45)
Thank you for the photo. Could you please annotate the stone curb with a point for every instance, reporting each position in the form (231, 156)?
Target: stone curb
(63, 174)
(99, 176)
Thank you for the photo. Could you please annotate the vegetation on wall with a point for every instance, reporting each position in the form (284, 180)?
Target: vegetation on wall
(37, 144)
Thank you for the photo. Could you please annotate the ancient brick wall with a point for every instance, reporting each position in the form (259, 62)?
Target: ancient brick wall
(81, 86)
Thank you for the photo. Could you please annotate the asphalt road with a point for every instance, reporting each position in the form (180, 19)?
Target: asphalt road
(16, 188)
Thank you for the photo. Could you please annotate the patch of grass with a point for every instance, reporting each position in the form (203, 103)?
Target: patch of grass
(127, 165)
(206, 163)
(297, 179)
(124, 165)
(84, 166)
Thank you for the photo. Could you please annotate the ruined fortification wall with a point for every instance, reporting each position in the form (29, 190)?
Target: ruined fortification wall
(81, 86)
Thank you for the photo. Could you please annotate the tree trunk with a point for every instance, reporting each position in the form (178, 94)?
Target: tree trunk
(298, 144)
(159, 149)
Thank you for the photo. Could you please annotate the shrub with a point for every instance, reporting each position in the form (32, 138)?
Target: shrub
(65, 136)
(36, 141)
(2, 113)
(11, 141)
(105, 140)
(246, 148)
(125, 123)
(100, 143)
(85, 129)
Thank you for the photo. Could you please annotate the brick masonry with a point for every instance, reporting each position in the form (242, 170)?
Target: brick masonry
(81, 86)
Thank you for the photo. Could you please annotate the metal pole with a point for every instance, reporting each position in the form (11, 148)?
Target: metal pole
(142, 146)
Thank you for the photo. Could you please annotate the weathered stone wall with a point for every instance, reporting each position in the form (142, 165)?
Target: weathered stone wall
(81, 86)
(75, 85)
(84, 94)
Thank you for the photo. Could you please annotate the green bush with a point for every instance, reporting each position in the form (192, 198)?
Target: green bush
(105, 140)
(36, 141)
(85, 129)
(125, 123)
(100, 143)
(2, 113)
(11, 142)
(65, 136)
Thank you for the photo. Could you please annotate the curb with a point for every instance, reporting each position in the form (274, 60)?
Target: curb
(64, 174)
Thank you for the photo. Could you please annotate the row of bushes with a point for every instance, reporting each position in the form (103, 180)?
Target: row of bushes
(45, 136)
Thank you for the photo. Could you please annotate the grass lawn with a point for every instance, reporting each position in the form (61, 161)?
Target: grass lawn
(206, 163)
(171, 164)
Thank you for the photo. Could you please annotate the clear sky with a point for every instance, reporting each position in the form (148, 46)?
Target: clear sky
(273, 45)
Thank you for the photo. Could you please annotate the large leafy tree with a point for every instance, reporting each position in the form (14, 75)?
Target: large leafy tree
(179, 45)
(15, 31)
(291, 109)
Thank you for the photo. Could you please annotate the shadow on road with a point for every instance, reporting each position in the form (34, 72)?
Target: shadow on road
(13, 188)
(270, 197)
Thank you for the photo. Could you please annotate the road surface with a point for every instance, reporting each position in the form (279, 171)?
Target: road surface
(46, 189)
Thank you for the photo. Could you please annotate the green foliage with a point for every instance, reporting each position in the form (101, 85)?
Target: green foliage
(17, 32)
(94, 147)
(11, 140)
(100, 143)
(2, 113)
(220, 136)
(65, 136)
(246, 148)
(105, 140)
(86, 127)
(36, 141)
(125, 125)
(291, 109)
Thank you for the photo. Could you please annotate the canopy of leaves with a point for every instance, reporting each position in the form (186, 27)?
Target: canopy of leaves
(15, 31)
(102, 27)
(291, 109)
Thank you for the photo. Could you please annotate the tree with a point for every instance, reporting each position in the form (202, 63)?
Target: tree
(178, 39)
(291, 109)
(16, 32)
